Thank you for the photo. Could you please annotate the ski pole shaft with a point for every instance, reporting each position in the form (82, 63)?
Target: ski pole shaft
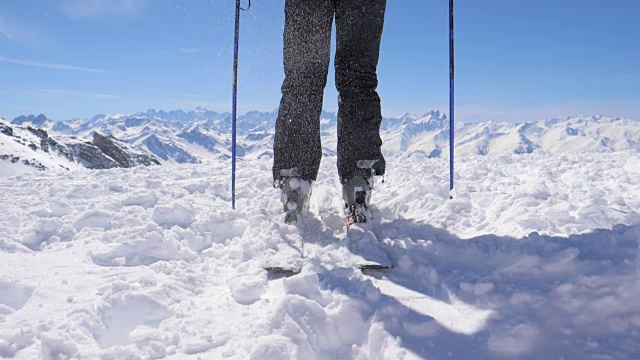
(234, 106)
(451, 97)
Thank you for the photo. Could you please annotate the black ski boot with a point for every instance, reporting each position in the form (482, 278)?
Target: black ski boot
(295, 194)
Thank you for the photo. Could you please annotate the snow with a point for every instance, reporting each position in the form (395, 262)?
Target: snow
(8, 169)
(536, 257)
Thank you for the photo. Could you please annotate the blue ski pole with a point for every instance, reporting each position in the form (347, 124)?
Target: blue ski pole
(451, 98)
(235, 102)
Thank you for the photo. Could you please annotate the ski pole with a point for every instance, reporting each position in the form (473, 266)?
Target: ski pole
(451, 98)
(235, 103)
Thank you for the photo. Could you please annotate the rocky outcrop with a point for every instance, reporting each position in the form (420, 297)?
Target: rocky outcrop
(91, 156)
(34, 147)
(122, 153)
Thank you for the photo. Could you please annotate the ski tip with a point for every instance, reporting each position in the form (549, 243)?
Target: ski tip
(279, 272)
(374, 267)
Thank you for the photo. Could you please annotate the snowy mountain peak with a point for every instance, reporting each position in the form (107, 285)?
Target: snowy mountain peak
(585, 120)
(181, 116)
(433, 115)
(34, 120)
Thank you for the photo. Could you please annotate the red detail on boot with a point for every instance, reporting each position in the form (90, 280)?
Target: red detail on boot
(350, 221)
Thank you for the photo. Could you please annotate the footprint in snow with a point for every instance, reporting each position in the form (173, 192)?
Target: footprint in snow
(126, 314)
(13, 296)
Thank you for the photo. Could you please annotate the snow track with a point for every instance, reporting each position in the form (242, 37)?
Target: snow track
(535, 258)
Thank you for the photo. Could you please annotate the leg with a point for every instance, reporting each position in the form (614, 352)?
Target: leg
(359, 26)
(307, 51)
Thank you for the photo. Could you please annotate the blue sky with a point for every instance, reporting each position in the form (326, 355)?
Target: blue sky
(516, 60)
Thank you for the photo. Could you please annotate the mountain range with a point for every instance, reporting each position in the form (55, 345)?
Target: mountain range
(159, 137)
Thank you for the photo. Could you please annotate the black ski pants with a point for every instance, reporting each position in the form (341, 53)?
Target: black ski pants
(307, 51)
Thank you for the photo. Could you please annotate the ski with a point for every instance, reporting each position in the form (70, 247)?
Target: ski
(284, 266)
(278, 272)
(366, 250)
(294, 195)
(360, 239)
(366, 253)
(288, 259)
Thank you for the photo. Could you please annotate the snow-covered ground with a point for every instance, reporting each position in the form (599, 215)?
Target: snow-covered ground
(536, 257)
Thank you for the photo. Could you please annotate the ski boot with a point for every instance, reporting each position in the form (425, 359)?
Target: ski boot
(367, 252)
(356, 193)
(295, 194)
